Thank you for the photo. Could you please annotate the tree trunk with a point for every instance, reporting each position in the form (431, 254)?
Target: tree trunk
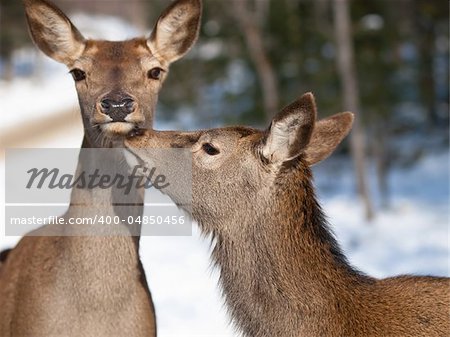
(347, 71)
(426, 46)
(247, 20)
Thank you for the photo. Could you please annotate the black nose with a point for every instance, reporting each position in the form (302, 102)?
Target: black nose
(117, 110)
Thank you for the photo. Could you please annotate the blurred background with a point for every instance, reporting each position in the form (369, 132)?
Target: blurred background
(386, 191)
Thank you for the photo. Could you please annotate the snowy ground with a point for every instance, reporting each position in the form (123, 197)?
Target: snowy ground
(412, 236)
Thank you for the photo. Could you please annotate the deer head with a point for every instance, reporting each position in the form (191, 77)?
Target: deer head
(236, 170)
(117, 82)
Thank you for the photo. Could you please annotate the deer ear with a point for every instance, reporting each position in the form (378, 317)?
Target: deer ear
(176, 30)
(53, 32)
(290, 130)
(327, 135)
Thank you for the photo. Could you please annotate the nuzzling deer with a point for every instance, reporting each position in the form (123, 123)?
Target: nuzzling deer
(61, 281)
(281, 270)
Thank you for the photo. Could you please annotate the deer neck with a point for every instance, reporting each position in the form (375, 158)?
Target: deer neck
(287, 264)
(112, 249)
(112, 201)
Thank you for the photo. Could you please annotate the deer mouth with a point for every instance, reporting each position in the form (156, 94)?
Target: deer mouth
(118, 119)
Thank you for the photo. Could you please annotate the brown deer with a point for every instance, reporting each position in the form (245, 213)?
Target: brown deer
(281, 270)
(73, 281)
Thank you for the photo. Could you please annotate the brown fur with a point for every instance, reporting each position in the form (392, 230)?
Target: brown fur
(72, 281)
(281, 270)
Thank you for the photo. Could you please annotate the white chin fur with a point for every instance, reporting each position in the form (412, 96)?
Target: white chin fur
(117, 128)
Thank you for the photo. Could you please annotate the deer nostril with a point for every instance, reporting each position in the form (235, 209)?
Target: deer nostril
(128, 103)
(106, 105)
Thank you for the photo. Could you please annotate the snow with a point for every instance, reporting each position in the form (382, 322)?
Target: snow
(24, 101)
(409, 238)
(412, 236)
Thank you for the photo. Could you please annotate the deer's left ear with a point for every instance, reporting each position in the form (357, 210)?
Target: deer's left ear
(290, 130)
(176, 30)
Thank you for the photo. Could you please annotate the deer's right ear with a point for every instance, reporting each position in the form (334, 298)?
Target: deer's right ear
(53, 32)
(327, 135)
(290, 130)
(176, 30)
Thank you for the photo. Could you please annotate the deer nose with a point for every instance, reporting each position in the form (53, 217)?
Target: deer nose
(117, 110)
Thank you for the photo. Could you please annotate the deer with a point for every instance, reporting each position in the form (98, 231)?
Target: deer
(84, 281)
(282, 272)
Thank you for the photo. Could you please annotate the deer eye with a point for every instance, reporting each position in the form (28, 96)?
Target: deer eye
(154, 73)
(78, 74)
(209, 149)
